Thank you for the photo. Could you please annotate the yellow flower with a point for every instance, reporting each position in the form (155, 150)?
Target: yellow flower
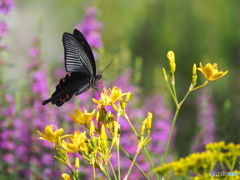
(78, 142)
(66, 176)
(109, 97)
(50, 135)
(82, 117)
(211, 72)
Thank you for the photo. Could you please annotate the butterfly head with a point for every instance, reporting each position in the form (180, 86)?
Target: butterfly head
(98, 77)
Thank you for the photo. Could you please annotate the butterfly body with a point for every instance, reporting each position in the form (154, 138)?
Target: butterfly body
(80, 66)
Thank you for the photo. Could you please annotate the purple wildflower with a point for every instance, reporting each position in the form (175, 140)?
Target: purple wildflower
(3, 28)
(34, 53)
(6, 6)
(205, 120)
(39, 85)
(91, 28)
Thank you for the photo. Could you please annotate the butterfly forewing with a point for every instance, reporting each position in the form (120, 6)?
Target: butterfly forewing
(78, 54)
(79, 36)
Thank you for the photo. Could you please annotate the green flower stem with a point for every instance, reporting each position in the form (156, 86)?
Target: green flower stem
(222, 166)
(185, 97)
(152, 165)
(173, 92)
(94, 172)
(104, 172)
(139, 168)
(145, 150)
(173, 125)
(119, 164)
(233, 163)
(204, 84)
(107, 172)
(73, 173)
(173, 85)
(130, 169)
(114, 174)
(118, 152)
(170, 134)
(129, 122)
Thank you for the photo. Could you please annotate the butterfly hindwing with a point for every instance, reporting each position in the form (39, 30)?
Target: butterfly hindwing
(67, 87)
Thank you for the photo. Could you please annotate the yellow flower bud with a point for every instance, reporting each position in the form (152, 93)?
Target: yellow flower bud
(93, 142)
(103, 134)
(149, 121)
(194, 70)
(143, 128)
(194, 79)
(66, 176)
(172, 67)
(127, 97)
(77, 164)
(123, 105)
(165, 74)
(92, 129)
(171, 56)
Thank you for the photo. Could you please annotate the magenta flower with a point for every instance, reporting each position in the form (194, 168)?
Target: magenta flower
(205, 121)
(6, 6)
(3, 28)
(34, 53)
(91, 28)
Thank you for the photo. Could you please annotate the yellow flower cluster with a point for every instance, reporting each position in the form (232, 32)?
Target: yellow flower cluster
(95, 145)
(199, 165)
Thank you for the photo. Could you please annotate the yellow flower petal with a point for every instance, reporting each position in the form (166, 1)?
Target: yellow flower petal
(50, 135)
(211, 72)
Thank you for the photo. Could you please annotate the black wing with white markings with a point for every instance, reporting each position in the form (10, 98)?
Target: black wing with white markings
(78, 54)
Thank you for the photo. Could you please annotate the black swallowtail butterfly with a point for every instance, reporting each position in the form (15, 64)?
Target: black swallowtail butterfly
(80, 66)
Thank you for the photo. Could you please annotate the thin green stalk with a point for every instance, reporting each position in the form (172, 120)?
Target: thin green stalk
(118, 152)
(233, 164)
(173, 86)
(114, 174)
(139, 168)
(185, 97)
(73, 173)
(152, 165)
(94, 172)
(145, 150)
(222, 166)
(107, 172)
(173, 93)
(129, 122)
(104, 172)
(119, 164)
(170, 135)
(130, 169)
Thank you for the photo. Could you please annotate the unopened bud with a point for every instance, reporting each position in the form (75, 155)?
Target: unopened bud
(194, 69)
(77, 164)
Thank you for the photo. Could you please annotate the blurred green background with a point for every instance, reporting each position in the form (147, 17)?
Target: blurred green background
(197, 31)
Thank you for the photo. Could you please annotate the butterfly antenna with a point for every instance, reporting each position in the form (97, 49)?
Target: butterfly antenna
(106, 67)
(108, 81)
